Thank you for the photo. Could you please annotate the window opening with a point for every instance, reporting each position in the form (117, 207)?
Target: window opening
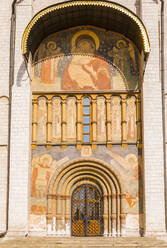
(86, 120)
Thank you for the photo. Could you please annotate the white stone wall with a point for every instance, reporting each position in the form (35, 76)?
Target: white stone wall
(39, 5)
(21, 118)
(165, 92)
(152, 126)
(5, 15)
(20, 132)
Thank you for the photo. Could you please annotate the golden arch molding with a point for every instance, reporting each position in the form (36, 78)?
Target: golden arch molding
(57, 14)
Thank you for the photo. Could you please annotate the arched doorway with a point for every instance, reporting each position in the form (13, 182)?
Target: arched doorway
(74, 183)
(111, 117)
(87, 211)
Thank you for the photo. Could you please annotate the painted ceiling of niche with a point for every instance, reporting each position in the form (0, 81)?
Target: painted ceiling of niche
(72, 16)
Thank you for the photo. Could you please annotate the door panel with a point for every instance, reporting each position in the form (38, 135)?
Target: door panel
(87, 211)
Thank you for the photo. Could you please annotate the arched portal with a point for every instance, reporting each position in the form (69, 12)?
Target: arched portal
(87, 211)
(103, 14)
(69, 182)
(86, 85)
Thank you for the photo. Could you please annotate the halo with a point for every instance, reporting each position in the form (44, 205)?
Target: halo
(121, 41)
(131, 156)
(51, 43)
(87, 32)
(46, 156)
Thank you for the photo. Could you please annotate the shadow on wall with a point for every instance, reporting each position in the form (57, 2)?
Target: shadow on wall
(22, 75)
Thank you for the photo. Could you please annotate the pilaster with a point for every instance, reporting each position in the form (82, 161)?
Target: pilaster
(153, 127)
(20, 133)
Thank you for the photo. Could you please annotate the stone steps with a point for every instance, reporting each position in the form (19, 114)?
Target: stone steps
(88, 242)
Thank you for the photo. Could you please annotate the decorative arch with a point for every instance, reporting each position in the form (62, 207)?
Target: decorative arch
(84, 171)
(103, 14)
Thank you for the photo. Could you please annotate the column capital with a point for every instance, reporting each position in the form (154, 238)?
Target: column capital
(94, 97)
(34, 101)
(64, 97)
(79, 97)
(123, 96)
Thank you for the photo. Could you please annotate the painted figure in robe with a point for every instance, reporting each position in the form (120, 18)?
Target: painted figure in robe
(49, 64)
(85, 71)
(124, 58)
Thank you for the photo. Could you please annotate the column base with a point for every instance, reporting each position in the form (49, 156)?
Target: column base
(17, 234)
(155, 233)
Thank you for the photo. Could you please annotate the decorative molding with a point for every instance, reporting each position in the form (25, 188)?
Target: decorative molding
(133, 17)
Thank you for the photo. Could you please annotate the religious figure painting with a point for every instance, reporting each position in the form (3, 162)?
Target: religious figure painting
(116, 119)
(101, 119)
(85, 59)
(42, 118)
(56, 119)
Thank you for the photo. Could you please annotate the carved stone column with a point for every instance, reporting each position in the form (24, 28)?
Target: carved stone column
(63, 121)
(79, 121)
(108, 121)
(123, 214)
(105, 215)
(49, 122)
(124, 121)
(114, 215)
(138, 121)
(34, 122)
(94, 122)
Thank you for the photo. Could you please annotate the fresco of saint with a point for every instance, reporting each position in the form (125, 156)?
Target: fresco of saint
(49, 65)
(87, 59)
(85, 71)
(123, 55)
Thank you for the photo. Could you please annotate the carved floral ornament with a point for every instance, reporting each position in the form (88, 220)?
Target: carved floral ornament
(109, 5)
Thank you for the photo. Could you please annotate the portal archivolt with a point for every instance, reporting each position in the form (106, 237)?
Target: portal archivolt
(76, 174)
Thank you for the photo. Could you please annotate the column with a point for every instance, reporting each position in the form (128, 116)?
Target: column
(124, 121)
(49, 123)
(79, 121)
(123, 214)
(114, 214)
(138, 121)
(63, 121)
(108, 121)
(34, 122)
(105, 215)
(94, 122)
(153, 127)
(21, 129)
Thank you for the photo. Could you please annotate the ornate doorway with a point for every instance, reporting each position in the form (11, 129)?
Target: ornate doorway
(87, 211)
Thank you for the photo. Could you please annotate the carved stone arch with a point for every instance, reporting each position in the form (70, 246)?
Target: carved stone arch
(79, 172)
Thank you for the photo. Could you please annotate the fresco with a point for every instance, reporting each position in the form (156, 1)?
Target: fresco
(101, 119)
(86, 58)
(56, 119)
(131, 120)
(71, 117)
(124, 162)
(116, 119)
(43, 166)
(41, 118)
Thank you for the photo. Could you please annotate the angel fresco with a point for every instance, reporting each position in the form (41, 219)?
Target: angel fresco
(85, 71)
(49, 65)
(124, 58)
(42, 168)
(46, 69)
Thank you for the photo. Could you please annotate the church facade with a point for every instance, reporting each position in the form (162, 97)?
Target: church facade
(83, 118)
